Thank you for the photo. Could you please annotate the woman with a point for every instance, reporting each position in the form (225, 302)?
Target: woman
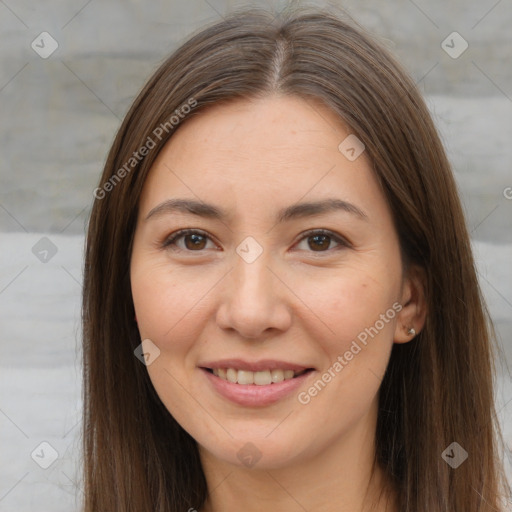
(280, 303)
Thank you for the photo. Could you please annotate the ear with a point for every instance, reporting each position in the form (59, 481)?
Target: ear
(414, 306)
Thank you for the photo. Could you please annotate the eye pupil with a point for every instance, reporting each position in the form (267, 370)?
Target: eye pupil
(197, 240)
(322, 244)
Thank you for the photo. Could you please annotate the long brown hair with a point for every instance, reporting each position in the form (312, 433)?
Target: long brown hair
(438, 389)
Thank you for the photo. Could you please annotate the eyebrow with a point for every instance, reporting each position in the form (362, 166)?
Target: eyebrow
(295, 211)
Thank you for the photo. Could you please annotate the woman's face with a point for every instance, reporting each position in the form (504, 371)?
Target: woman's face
(272, 278)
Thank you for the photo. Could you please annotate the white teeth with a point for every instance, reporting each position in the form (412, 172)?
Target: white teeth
(262, 378)
(245, 377)
(277, 375)
(231, 375)
(288, 374)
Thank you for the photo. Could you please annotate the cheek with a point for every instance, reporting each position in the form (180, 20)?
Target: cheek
(356, 357)
(166, 300)
(171, 311)
(349, 302)
(359, 308)
(167, 305)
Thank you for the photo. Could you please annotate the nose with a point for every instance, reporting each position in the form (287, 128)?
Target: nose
(254, 300)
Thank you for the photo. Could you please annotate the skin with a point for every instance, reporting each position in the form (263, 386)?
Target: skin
(298, 301)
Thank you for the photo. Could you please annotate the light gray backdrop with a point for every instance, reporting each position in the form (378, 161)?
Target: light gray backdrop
(69, 71)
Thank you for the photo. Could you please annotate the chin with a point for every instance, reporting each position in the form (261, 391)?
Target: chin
(256, 452)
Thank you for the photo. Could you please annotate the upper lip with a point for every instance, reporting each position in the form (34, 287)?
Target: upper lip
(254, 366)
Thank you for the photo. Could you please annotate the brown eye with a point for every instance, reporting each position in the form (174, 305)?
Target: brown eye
(321, 241)
(194, 241)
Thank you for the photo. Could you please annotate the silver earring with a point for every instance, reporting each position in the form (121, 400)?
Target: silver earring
(411, 331)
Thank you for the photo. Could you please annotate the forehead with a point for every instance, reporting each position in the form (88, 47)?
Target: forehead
(260, 153)
(278, 124)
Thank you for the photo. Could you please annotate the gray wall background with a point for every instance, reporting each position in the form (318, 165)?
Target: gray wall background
(61, 113)
(59, 116)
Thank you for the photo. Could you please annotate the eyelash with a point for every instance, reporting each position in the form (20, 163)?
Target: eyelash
(170, 241)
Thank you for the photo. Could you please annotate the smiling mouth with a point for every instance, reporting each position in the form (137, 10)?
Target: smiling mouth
(260, 378)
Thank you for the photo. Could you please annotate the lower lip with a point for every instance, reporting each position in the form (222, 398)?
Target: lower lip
(252, 395)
